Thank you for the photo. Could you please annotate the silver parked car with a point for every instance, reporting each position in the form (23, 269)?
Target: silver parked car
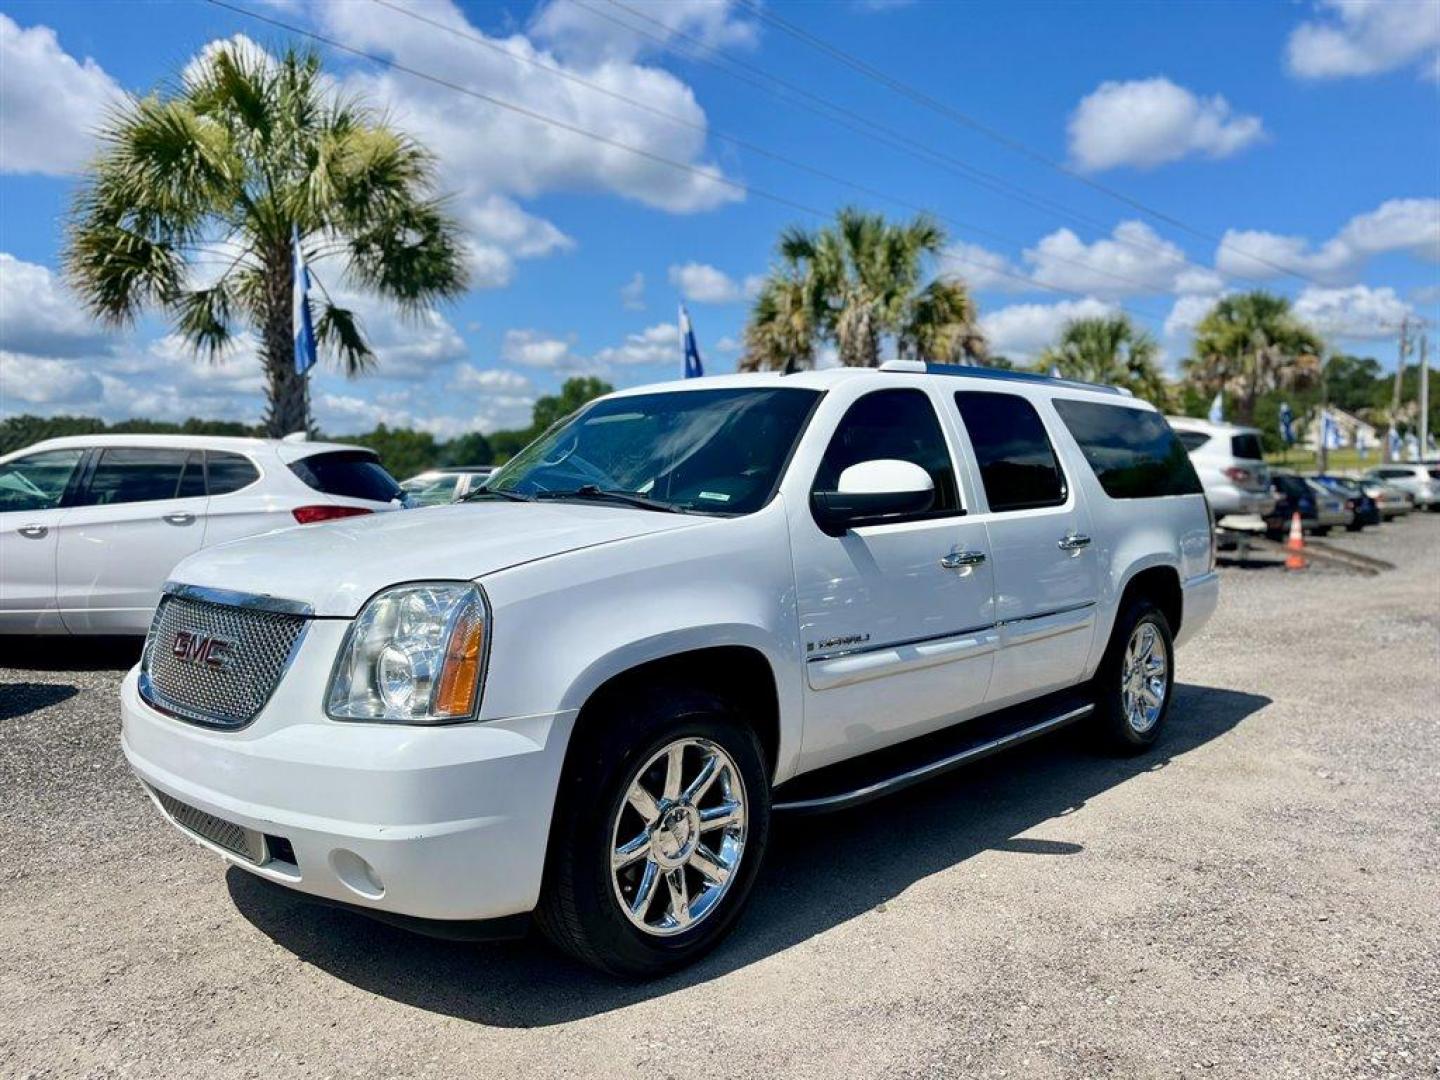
(1421, 480)
(435, 487)
(1231, 465)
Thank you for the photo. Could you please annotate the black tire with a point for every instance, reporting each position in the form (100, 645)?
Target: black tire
(1117, 732)
(579, 910)
(1320, 530)
(1355, 526)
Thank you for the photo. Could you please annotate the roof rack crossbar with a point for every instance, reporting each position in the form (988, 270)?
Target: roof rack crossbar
(1004, 374)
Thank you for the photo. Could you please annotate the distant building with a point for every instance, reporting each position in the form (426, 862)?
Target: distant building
(1349, 425)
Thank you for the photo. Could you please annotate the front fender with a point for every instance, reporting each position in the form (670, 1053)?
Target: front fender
(565, 625)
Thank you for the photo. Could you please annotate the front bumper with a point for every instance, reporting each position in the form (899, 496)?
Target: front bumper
(429, 823)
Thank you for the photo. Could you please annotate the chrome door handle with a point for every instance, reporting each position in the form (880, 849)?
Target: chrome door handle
(958, 559)
(1074, 542)
(179, 519)
(33, 532)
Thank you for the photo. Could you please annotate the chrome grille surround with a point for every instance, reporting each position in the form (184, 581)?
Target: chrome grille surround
(262, 635)
(246, 843)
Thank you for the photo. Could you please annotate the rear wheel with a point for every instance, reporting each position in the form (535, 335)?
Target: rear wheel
(1133, 686)
(660, 830)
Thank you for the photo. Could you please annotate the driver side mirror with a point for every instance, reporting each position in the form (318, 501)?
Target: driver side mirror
(872, 492)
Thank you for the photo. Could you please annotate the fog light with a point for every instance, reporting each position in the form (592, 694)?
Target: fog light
(357, 875)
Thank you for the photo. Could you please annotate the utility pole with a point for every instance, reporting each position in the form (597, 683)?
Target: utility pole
(1424, 395)
(1399, 374)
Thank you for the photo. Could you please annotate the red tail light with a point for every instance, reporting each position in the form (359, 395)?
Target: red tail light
(1239, 475)
(309, 515)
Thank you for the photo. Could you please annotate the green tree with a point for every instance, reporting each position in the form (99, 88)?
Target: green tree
(1111, 350)
(1251, 343)
(402, 451)
(854, 283)
(472, 448)
(217, 173)
(573, 394)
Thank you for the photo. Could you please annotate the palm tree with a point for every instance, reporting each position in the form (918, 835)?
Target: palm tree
(1251, 343)
(1109, 349)
(221, 171)
(854, 283)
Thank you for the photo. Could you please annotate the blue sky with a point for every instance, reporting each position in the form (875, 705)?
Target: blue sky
(1290, 145)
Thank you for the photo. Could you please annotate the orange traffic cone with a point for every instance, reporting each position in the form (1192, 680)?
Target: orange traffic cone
(1295, 545)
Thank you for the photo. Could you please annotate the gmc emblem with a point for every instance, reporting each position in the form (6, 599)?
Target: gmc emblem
(216, 653)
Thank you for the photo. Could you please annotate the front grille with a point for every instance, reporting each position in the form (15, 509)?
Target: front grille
(247, 843)
(214, 662)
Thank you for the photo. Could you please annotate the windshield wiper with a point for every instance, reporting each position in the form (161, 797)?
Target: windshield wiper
(628, 498)
(513, 496)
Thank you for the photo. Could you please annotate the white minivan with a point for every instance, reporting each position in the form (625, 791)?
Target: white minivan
(91, 525)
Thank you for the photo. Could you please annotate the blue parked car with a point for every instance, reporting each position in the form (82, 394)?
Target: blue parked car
(1362, 508)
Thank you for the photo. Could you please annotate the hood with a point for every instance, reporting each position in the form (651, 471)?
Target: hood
(337, 566)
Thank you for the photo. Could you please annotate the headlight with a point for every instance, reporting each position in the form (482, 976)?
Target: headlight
(415, 655)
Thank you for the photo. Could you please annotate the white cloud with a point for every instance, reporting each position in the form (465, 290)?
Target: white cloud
(656, 345)
(485, 149)
(1366, 37)
(1136, 260)
(533, 348)
(1355, 312)
(1021, 330)
(39, 316)
(1149, 122)
(491, 380)
(728, 344)
(1186, 314)
(582, 35)
(1403, 225)
(632, 293)
(50, 103)
(43, 380)
(980, 268)
(701, 283)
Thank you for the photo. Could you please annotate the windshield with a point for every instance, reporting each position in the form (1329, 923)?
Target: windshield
(711, 451)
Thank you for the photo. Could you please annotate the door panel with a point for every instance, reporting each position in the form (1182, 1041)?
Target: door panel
(117, 549)
(32, 494)
(1046, 581)
(896, 643)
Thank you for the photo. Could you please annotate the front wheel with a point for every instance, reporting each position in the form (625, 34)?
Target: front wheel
(1133, 686)
(660, 830)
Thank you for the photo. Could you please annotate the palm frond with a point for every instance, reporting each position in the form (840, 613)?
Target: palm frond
(338, 329)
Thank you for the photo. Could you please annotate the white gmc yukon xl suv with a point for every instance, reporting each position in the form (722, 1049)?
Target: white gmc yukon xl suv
(580, 696)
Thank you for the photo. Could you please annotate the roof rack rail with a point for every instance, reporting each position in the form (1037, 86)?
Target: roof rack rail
(1007, 375)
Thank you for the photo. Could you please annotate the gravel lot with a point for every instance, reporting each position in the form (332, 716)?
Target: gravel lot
(1260, 897)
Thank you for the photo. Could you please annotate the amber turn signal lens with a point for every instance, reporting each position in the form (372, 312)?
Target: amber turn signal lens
(460, 674)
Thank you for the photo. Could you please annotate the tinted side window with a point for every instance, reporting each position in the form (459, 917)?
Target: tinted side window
(192, 480)
(1017, 463)
(1246, 446)
(899, 424)
(352, 474)
(134, 474)
(1192, 440)
(229, 472)
(1134, 453)
(37, 481)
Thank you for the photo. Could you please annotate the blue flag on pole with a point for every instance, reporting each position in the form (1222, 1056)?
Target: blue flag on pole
(693, 368)
(1330, 432)
(1287, 424)
(1217, 409)
(304, 327)
(1393, 439)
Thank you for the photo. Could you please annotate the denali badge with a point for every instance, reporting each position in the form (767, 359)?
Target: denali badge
(192, 648)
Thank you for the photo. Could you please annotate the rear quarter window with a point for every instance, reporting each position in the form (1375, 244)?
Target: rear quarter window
(1247, 447)
(350, 474)
(229, 472)
(1192, 440)
(1133, 452)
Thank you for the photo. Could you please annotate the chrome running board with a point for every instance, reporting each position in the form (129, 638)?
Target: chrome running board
(849, 786)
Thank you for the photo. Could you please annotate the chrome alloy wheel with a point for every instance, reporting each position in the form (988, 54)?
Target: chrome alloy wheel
(678, 836)
(1143, 678)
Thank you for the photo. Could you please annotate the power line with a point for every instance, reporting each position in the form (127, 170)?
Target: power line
(745, 144)
(997, 136)
(704, 53)
(564, 125)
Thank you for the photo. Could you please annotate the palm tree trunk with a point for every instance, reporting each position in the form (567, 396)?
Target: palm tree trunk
(288, 410)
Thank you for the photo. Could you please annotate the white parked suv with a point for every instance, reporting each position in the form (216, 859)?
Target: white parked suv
(1230, 462)
(581, 694)
(91, 525)
(1422, 481)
